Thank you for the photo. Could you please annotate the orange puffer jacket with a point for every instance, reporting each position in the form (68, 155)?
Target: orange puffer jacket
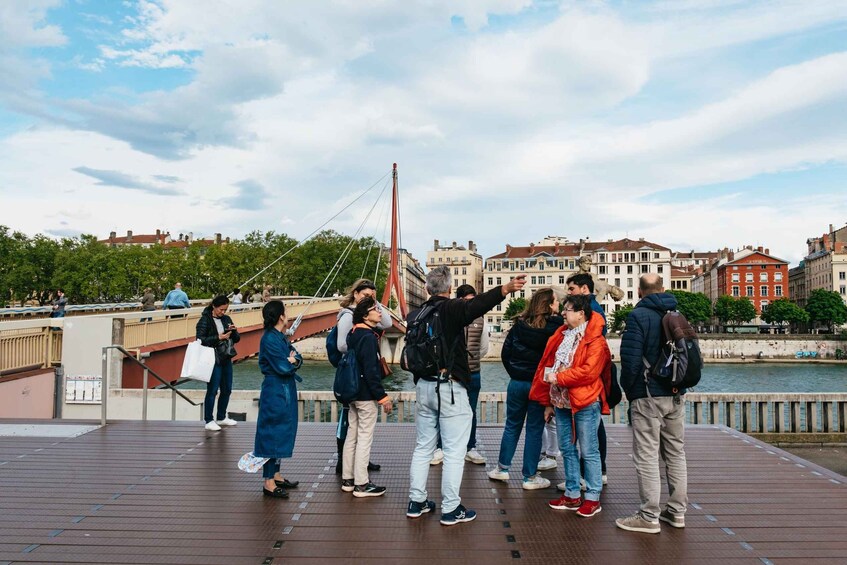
(590, 374)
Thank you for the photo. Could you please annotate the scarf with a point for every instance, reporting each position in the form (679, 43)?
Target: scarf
(564, 357)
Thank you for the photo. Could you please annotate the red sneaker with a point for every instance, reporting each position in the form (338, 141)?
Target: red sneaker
(589, 508)
(565, 503)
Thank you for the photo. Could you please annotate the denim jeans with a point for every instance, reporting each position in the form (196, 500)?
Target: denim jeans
(270, 468)
(586, 421)
(658, 430)
(454, 425)
(221, 379)
(473, 399)
(601, 437)
(519, 408)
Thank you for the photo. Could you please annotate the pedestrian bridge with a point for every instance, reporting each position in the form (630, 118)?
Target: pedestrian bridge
(170, 492)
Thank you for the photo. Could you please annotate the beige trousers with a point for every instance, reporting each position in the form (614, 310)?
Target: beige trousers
(360, 435)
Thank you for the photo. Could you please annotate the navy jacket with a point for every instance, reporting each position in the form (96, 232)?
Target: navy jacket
(366, 345)
(643, 337)
(524, 347)
(599, 309)
(207, 331)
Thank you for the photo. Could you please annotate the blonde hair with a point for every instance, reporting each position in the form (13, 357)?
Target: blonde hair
(538, 310)
(349, 300)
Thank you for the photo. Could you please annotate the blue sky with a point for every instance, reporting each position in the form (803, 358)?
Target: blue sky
(696, 124)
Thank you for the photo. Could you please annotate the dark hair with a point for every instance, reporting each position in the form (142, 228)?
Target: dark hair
(464, 290)
(271, 313)
(60, 290)
(349, 300)
(539, 308)
(361, 311)
(219, 300)
(580, 303)
(236, 291)
(582, 279)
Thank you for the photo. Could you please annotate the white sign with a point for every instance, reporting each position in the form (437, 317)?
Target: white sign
(83, 389)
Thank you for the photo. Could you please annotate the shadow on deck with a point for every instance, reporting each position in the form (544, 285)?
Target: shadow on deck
(164, 492)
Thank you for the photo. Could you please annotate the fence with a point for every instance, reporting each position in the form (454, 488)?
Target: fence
(29, 348)
(749, 413)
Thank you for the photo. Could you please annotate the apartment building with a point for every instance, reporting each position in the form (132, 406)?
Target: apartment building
(753, 273)
(693, 259)
(465, 262)
(826, 262)
(681, 279)
(552, 260)
(160, 238)
(797, 284)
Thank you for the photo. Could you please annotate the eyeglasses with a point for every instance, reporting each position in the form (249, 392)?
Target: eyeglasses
(371, 309)
(570, 310)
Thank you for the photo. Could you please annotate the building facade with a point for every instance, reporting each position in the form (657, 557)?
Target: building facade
(797, 284)
(826, 262)
(752, 273)
(160, 238)
(412, 277)
(465, 263)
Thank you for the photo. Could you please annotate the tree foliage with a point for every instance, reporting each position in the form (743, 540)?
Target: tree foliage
(743, 310)
(515, 307)
(826, 307)
(724, 309)
(783, 311)
(91, 272)
(617, 320)
(695, 306)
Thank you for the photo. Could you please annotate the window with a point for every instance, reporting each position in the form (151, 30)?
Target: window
(748, 277)
(464, 270)
(541, 265)
(455, 270)
(440, 259)
(629, 283)
(749, 290)
(763, 267)
(629, 294)
(736, 277)
(490, 281)
(523, 266)
(561, 279)
(629, 269)
(491, 319)
(561, 265)
(617, 269)
(645, 269)
(777, 276)
(618, 283)
(735, 268)
(602, 269)
(602, 257)
(763, 290)
(843, 290)
(764, 304)
(777, 291)
(660, 269)
(499, 307)
(499, 281)
(763, 277)
(523, 294)
(735, 291)
(533, 279)
(842, 275)
(645, 256)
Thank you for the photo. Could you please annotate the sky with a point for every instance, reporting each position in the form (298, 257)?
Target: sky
(695, 124)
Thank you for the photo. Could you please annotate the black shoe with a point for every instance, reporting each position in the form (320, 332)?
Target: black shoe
(347, 485)
(374, 466)
(368, 489)
(285, 483)
(275, 493)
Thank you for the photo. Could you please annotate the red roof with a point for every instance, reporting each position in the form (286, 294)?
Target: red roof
(573, 249)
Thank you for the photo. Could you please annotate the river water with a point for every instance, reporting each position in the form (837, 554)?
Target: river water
(717, 377)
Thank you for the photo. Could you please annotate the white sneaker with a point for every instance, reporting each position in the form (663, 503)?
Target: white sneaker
(437, 457)
(475, 457)
(227, 422)
(535, 483)
(213, 426)
(546, 463)
(561, 487)
(498, 474)
(605, 479)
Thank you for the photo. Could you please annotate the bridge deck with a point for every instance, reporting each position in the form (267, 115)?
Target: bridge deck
(165, 492)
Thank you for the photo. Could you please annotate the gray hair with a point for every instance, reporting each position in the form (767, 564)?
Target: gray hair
(439, 280)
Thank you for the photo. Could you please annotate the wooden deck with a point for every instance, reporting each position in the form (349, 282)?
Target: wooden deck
(164, 492)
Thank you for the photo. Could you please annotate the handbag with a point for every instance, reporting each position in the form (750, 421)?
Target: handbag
(225, 350)
(199, 362)
(383, 364)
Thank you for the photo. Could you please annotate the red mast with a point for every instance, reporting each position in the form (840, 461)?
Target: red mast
(394, 263)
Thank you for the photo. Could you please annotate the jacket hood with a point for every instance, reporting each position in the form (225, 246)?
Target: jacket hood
(595, 326)
(661, 301)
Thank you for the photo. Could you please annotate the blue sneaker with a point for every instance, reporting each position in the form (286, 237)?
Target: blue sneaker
(457, 516)
(417, 508)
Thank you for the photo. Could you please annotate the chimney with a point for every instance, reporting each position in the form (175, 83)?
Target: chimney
(112, 235)
(508, 248)
(556, 247)
(158, 233)
(830, 228)
(180, 237)
(767, 251)
(217, 239)
(531, 247)
(128, 235)
(190, 236)
(471, 245)
(435, 245)
(454, 245)
(760, 249)
(227, 240)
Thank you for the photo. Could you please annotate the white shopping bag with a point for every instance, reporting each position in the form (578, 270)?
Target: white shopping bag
(249, 463)
(198, 363)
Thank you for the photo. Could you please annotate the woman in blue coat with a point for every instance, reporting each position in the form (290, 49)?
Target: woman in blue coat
(276, 427)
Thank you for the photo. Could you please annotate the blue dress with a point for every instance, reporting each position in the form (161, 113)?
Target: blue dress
(276, 426)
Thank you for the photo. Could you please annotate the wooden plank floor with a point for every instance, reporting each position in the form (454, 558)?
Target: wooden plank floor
(164, 492)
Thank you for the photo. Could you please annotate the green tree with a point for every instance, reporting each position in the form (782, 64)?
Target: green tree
(743, 310)
(784, 311)
(617, 321)
(515, 307)
(826, 307)
(695, 306)
(723, 309)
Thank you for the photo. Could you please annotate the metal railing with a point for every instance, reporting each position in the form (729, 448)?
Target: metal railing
(794, 413)
(144, 380)
(37, 347)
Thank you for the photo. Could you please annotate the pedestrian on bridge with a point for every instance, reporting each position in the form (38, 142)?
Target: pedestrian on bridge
(176, 299)
(276, 426)
(59, 304)
(215, 329)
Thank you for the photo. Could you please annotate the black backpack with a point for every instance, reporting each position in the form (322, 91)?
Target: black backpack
(424, 353)
(680, 361)
(332, 352)
(614, 395)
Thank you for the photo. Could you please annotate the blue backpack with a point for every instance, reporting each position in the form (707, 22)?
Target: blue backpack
(347, 375)
(332, 352)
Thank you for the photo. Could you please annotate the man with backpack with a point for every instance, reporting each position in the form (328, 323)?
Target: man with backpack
(437, 355)
(657, 411)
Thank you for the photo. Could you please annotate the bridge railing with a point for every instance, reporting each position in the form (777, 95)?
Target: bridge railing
(795, 413)
(30, 346)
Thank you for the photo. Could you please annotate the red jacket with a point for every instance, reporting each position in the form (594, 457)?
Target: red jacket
(590, 374)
